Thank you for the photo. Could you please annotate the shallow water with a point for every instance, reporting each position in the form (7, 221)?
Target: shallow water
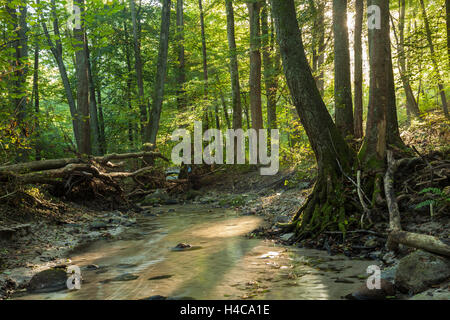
(224, 265)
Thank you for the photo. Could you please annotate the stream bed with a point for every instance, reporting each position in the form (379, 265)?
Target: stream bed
(223, 263)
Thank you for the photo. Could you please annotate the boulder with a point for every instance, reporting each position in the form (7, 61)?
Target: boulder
(48, 281)
(159, 196)
(363, 293)
(419, 270)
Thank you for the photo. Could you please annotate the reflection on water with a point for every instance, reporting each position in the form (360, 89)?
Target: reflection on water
(227, 265)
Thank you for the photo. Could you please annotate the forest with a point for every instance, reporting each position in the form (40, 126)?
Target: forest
(116, 124)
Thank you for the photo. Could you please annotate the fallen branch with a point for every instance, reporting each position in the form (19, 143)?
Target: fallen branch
(421, 241)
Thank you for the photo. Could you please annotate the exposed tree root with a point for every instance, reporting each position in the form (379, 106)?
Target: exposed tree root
(330, 207)
(396, 235)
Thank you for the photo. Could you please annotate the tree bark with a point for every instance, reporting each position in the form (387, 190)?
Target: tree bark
(373, 151)
(161, 70)
(138, 68)
(342, 83)
(324, 208)
(358, 71)
(181, 77)
(82, 84)
(255, 65)
(269, 72)
(205, 67)
(433, 58)
(234, 69)
(95, 128)
(447, 19)
(37, 135)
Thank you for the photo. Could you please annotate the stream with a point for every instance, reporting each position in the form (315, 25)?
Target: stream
(222, 264)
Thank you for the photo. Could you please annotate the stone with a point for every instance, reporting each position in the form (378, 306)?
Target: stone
(389, 258)
(389, 273)
(192, 194)
(432, 294)
(183, 246)
(98, 225)
(287, 236)
(363, 293)
(419, 270)
(49, 280)
(92, 267)
(371, 243)
(156, 197)
(122, 277)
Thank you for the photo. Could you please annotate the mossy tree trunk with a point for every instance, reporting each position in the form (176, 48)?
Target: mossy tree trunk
(327, 207)
(342, 83)
(382, 130)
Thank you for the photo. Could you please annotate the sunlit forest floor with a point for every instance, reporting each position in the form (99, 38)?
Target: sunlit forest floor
(45, 228)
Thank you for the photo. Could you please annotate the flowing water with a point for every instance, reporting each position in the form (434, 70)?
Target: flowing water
(222, 264)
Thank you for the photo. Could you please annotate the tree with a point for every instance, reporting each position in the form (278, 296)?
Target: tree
(82, 68)
(326, 206)
(433, 59)
(57, 51)
(382, 127)
(358, 71)
(342, 85)
(234, 69)
(161, 70)
(411, 103)
(95, 128)
(205, 63)
(181, 75)
(269, 70)
(35, 95)
(138, 67)
(254, 8)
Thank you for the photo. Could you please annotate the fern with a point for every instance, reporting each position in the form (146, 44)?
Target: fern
(425, 204)
(435, 191)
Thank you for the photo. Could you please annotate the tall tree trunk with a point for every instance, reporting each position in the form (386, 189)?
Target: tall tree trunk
(82, 83)
(205, 65)
(57, 52)
(434, 59)
(255, 65)
(411, 103)
(331, 151)
(234, 70)
(19, 65)
(321, 46)
(138, 67)
(95, 128)
(161, 70)
(317, 8)
(269, 71)
(382, 127)
(358, 81)
(37, 135)
(129, 83)
(447, 19)
(342, 83)
(181, 77)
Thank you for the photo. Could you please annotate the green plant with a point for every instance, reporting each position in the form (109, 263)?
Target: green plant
(439, 199)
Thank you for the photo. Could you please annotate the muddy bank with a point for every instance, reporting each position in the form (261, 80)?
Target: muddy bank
(37, 244)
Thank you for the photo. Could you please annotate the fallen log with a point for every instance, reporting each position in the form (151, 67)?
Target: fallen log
(421, 241)
(60, 163)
